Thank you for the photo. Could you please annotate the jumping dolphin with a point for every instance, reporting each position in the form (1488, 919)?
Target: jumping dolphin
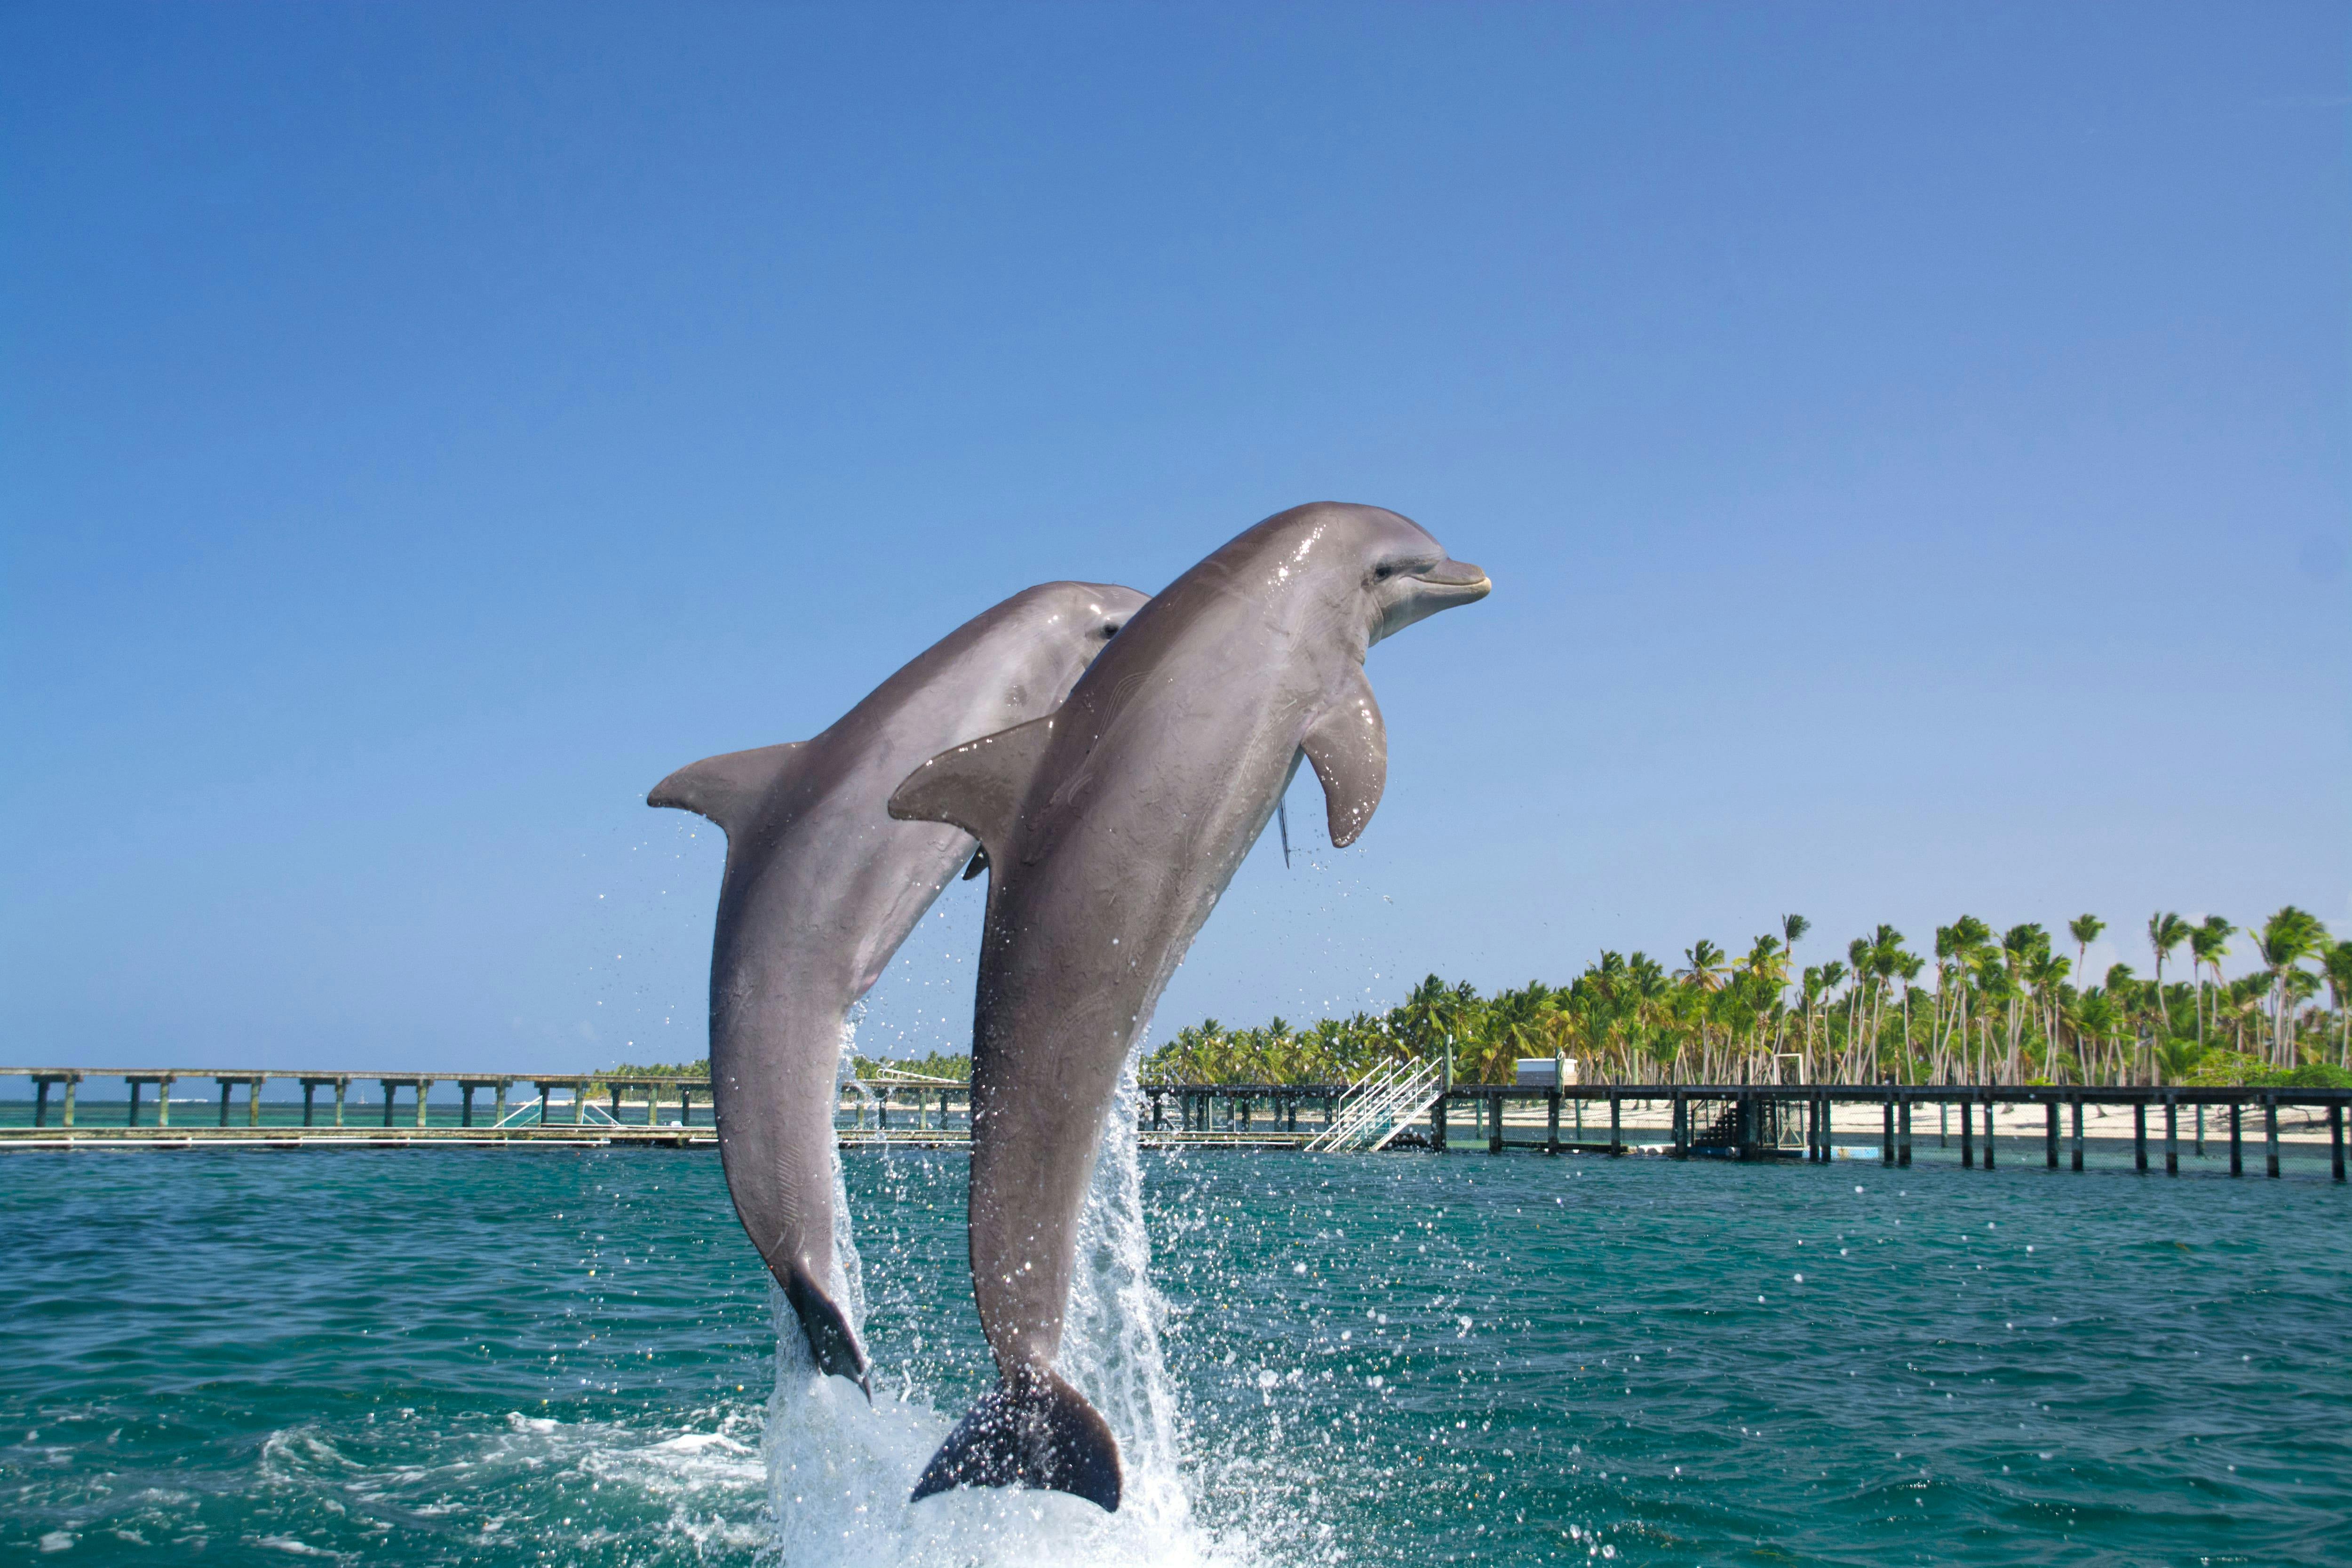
(820, 888)
(1111, 827)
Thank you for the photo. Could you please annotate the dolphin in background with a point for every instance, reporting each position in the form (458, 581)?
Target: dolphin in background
(1111, 828)
(820, 888)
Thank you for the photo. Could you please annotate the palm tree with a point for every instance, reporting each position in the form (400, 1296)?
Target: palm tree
(1997, 984)
(1942, 1000)
(1422, 1019)
(1969, 938)
(2286, 938)
(1833, 974)
(1516, 1022)
(1858, 954)
(2020, 945)
(2085, 930)
(2046, 973)
(1706, 966)
(2165, 933)
(1809, 994)
(1885, 959)
(1703, 974)
(1792, 931)
(1907, 969)
(2337, 962)
(2176, 1055)
(2093, 1017)
(2208, 945)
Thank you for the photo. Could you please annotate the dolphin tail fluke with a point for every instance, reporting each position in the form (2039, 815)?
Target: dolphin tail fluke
(1032, 1431)
(831, 1339)
(727, 789)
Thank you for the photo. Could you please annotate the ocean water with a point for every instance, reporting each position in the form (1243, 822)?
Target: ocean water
(570, 1357)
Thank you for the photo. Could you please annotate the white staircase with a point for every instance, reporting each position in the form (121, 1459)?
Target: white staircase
(1379, 1106)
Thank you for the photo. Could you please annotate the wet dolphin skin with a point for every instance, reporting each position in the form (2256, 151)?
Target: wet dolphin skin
(821, 887)
(1111, 827)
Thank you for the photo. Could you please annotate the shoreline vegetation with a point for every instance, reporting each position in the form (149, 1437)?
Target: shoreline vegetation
(1986, 1008)
(1981, 1007)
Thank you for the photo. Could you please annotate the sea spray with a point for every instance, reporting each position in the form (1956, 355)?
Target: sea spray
(1111, 1348)
(836, 1463)
(840, 1469)
(848, 1281)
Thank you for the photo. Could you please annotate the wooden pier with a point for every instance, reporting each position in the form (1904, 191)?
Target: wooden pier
(1743, 1122)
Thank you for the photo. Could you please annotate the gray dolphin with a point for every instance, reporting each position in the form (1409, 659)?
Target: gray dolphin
(820, 888)
(1111, 827)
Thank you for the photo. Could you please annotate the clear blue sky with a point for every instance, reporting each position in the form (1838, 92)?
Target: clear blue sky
(1909, 444)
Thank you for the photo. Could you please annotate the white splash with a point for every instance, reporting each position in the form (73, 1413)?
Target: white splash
(840, 1471)
(848, 1281)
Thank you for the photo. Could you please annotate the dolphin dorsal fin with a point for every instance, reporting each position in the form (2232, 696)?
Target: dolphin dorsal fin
(1350, 748)
(978, 786)
(727, 788)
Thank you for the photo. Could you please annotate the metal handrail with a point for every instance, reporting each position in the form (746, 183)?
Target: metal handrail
(1408, 1087)
(1355, 1106)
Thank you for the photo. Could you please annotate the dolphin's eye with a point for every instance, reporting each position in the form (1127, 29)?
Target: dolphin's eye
(1382, 571)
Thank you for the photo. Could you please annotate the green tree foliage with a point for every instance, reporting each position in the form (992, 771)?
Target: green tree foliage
(2003, 1008)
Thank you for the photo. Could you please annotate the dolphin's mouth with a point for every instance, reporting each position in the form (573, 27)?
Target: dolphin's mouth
(1443, 585)
(1455, 578)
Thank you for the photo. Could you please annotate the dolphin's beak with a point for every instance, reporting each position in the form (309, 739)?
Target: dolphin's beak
(1423, 594)
(1448, 577)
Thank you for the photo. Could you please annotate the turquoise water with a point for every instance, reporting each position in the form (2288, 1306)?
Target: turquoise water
(568, 1357)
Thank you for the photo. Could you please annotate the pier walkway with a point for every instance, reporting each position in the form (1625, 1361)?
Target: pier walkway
(2054, 1126)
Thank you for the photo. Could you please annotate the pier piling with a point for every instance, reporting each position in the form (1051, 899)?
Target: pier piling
(2270, 1135)
(2171, 1136)
(1903, 1133)
(2236, 1139)
(2050, 1136)
(2139, 1139)
(2336, 1140)
(1968, 1136)
(163, 1082)
(2078, 1132)
(1989, 1131)
(41, 1084)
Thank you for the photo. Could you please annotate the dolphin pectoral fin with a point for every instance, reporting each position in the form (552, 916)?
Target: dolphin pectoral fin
(1350, 748)
(978, 786)
(979, 864)
(1035, 1431)
(831, 1341)
(726, 788)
